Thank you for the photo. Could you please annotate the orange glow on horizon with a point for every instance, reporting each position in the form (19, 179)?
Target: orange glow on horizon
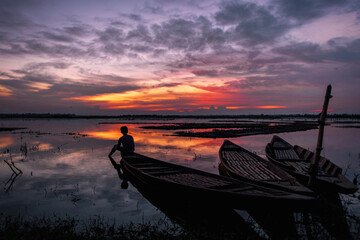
(236, 107)
(270, 107)
(172, 98)
(320, 110)
(153, 99)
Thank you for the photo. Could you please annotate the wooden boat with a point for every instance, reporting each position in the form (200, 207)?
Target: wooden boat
(179, 182)
(297, 161)
(242, 164)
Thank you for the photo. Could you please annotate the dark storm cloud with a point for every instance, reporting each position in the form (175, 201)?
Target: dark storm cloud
(24, 85)
(306, 10)
(348, 52)
(175, 34)
(335, 51)
(153, 9)
(304, 51)
(67, 34)
(79, 30)
(57, 37)
(187, 35)
(188, 61)
(140, 48)
(251, 24)
(20, 35)
(111, 78)
(40, 47)
(59, 88)
(140, 33)
(208, 73)
(10, 19)
(45, 65)
(111, 34)
(134, 17)
(112, 41)
(117, 23)
(69, 89)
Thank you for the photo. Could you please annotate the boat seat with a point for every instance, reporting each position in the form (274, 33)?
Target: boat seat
(160, 173)
(146, 168)
(144, 164)
(241, 189)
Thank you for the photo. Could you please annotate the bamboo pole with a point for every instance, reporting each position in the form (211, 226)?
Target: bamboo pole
(315, 161)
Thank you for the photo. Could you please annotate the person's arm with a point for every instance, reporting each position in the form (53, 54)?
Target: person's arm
(119, 143)
(132, 144)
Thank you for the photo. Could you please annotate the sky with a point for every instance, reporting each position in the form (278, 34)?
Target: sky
(179, 57)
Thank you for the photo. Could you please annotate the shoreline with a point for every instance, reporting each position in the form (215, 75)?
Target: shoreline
(173, 116)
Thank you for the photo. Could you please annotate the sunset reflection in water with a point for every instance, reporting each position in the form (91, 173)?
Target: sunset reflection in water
(162, 145)
(66, 170)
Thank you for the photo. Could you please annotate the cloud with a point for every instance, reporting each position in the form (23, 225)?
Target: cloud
(43, 66)
(221, 47)
(175, 34)
(57, 37)
(45, 93)
(209, 73)
(140, 33)
(250, 23)
(10, 20)
(307, 10)
(170, 98)
(66, 34)
(112, 40)
(336, 50)
(134, 17)
(35, 79)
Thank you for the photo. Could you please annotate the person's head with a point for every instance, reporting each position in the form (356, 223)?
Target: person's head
(124, 130)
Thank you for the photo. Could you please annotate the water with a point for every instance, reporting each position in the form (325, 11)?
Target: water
(66, 171)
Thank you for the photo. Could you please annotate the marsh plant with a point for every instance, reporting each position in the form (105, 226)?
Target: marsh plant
(97, 228)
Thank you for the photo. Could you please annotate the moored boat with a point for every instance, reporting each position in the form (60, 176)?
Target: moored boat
(179, 182)
(239, 163)
(297, 161)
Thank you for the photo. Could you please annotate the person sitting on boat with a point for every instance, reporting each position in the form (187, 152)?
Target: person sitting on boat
(125, 144)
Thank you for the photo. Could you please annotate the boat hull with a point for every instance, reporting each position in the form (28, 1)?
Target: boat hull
(176, 183)
(239, 163)
(297, 161)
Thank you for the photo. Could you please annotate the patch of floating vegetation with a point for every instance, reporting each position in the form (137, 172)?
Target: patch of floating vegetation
(228, 130)
(348, 126)
(267, 129)
(76, 134)
(4, 129)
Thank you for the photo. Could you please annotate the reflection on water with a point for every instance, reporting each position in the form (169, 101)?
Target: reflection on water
(66, 173)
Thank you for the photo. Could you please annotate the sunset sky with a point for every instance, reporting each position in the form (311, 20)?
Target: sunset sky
(181, 56)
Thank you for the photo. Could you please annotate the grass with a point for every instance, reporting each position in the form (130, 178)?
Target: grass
(54, 228)
(97, 228)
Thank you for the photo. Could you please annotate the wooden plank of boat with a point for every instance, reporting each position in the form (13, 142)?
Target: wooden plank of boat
(239, 163)
(179, 182)
(329, 176)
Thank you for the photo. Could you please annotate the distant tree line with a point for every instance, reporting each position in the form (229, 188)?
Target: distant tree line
(155, 116)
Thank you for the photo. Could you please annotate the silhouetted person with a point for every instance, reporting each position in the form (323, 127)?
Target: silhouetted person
(125, 144)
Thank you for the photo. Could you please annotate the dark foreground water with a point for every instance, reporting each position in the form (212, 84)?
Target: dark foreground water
(66, 171)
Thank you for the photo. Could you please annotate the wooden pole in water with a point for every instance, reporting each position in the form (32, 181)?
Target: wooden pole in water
(315, 161)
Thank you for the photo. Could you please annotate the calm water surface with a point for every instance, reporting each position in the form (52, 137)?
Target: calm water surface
(66, 173)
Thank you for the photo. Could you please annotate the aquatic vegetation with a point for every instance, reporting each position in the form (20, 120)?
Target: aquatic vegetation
(96, 228)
